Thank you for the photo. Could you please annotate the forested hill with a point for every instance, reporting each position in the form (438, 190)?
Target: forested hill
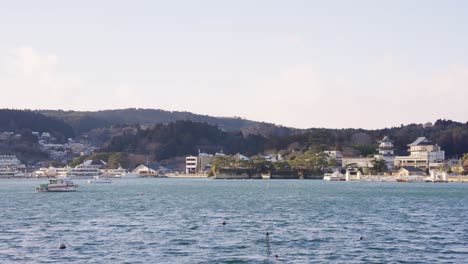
(86, 121)
(21, 120)
(162, 135)
(186, 138)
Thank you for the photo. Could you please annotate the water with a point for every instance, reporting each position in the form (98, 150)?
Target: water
(179, 221)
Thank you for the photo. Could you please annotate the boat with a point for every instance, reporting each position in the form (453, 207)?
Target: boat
(85, 171)
(335, 176)
(119, 173)
(99, 179)
(58, 185)
(8, 172)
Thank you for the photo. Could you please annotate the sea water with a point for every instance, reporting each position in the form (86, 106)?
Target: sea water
(180, 221)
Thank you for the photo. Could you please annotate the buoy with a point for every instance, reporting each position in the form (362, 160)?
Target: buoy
(62, 246)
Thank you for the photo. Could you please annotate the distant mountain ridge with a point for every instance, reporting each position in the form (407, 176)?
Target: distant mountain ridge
(20, 120)
(83, 121)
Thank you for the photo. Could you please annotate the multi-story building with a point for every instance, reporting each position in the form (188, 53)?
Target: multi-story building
(198, 164)
(423, 154)
(386, 152)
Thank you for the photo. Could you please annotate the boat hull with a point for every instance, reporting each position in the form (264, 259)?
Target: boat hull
(56, 189)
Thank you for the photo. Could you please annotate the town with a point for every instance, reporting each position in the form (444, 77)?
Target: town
(425, 162)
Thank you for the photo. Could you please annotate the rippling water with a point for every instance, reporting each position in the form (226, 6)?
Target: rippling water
(179, 221)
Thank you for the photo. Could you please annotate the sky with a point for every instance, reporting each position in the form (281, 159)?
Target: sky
(335, 64)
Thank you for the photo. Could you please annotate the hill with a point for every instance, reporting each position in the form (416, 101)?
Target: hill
(20, 120)
(86, 121)
(186, 138)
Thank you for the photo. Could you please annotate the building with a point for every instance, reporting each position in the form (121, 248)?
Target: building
(423, 154)
(411, 171)
(386, 152)
(357, 162)
(150, 171)
(271, 157)
(191, 164)
(198, 164)
(239, 156)
(335, 154)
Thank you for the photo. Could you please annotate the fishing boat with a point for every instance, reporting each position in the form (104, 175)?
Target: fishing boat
(99, 179)
(58, 185)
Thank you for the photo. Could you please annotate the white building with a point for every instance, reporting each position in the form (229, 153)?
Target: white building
(423, 154)
(198, 164)
(191, 164)
(358, 162)
(335, 154)
(386, 152)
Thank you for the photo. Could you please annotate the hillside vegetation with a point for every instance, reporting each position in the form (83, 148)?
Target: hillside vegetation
(161, 135)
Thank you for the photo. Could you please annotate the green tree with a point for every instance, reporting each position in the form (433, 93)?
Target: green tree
(116, 159)
(262, 165)
(378, 166)
(310, 160)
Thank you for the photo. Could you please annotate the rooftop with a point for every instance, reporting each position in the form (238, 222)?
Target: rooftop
(421, 141)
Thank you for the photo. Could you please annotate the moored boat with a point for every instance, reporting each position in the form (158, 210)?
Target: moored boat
(98, 179)
(58, 185)
(336, 176)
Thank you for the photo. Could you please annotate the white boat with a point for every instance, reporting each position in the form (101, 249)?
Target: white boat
(83, 171)
(335, 176)
(7, 172)
(99, 179)
(58, 185)
(119, 173)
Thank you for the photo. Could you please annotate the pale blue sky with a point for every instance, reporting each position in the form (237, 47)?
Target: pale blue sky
(370, 64)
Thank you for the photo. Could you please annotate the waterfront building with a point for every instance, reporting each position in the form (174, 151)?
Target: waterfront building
(198, 164)
(423, 154)
(411, 171)
(386, 152)
(191, 164)
(150, 170)
(357, 162)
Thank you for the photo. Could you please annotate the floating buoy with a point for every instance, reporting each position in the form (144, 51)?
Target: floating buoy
(62, 246)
